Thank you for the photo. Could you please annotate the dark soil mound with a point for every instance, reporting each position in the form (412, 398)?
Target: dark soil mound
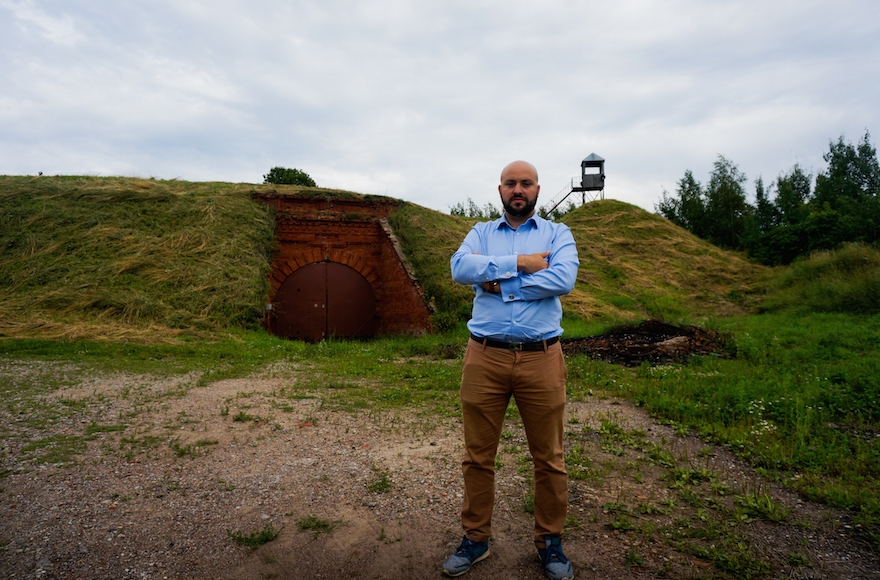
(652, 341)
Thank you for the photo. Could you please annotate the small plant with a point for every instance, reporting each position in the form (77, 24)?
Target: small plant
(196, 449)
(633, 560)
(382, 483)
(572, 522)
(685, 476)
(764, 506)
(528, 503)
(316, 525)
(255, 539)
(622, 523)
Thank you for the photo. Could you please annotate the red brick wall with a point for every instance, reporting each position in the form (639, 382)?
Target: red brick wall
(351, 232)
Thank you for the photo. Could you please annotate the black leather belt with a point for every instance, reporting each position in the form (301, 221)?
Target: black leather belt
(516, 346)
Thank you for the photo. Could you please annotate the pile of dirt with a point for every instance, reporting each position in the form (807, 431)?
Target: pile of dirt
(652, 340)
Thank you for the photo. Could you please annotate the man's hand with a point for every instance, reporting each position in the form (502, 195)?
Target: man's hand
(531, 263)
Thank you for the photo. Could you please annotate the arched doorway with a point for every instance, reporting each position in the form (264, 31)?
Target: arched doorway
(323, 300)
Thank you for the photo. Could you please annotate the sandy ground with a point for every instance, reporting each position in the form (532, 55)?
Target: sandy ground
(160, 499)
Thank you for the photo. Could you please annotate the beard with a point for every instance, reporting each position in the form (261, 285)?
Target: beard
(525, 211)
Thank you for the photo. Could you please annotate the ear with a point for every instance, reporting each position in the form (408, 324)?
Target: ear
(499, 190)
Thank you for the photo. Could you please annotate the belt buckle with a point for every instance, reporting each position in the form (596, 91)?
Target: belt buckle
(515, 346)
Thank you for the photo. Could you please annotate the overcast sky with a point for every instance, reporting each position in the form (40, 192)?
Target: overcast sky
(428, 100)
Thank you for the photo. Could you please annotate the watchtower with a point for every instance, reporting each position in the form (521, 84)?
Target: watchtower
(592, 180)
(595, 179)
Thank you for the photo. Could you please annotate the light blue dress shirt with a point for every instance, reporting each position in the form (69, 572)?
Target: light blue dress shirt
(528, 308)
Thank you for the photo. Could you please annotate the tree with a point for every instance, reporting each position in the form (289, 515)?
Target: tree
(766, 212)
(472, 210)
(853, 174)
(687, 208)
(726, 205)
(283, 175)
(846, 196)
(792, 195)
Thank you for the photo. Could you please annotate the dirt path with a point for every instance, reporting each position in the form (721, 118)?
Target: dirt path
(159, 499)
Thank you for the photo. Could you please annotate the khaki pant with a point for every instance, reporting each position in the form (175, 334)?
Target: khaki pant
(536, 379)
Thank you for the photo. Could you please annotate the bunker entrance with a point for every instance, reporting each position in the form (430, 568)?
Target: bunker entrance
(324, 300)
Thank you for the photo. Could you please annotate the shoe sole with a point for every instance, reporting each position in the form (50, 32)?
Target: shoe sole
(483, 557)
(566, 578)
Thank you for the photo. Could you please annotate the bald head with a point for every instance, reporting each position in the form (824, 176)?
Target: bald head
(519, 166)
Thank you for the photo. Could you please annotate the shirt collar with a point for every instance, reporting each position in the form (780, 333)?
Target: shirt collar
(533, 219)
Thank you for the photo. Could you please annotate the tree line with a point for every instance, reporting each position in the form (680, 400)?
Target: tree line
(791, 216)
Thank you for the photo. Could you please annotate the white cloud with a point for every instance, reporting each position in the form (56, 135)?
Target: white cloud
(427, 101)
(29, 16)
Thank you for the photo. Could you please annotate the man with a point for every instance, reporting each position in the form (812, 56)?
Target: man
(519, 266)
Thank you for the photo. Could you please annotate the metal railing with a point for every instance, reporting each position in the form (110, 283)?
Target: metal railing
(572, 187)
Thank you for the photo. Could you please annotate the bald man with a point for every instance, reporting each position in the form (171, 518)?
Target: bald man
(518, 265)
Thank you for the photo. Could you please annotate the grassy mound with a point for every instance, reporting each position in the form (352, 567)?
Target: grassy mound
(637, 265)
(117, 258)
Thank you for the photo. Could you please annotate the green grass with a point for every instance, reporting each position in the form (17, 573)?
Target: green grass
(127, 258)
(381, 483)
(801, 401)
(843, 280)
(316, 525)
(255, 539)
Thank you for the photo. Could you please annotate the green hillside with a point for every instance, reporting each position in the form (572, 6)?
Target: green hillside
(634, 264)
(126, 258)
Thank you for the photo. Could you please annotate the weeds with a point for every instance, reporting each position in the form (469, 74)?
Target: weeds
(316, 525)
(195, 449)
(763, 506)
(380, 484)
(256, 538)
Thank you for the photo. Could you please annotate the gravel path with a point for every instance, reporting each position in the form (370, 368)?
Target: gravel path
(159, 499)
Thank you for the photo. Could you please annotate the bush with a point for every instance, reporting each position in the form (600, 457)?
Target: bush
(285, 176)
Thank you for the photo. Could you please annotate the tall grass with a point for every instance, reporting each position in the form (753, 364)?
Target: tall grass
(429, 238)
(84, 256)
(843, 280)
(637, 265)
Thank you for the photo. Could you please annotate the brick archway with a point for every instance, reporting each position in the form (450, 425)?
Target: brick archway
(352, 231)
(283, 269)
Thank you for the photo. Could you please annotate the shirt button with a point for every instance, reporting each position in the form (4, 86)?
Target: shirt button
(507, 274)
(511, 296)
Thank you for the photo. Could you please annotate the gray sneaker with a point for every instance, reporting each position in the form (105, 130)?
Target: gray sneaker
(466, 555)
(556, 565)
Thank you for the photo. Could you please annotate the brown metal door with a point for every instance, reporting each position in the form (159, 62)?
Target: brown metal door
(322, 300)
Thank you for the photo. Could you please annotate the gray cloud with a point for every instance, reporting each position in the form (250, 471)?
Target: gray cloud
(428, 100)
